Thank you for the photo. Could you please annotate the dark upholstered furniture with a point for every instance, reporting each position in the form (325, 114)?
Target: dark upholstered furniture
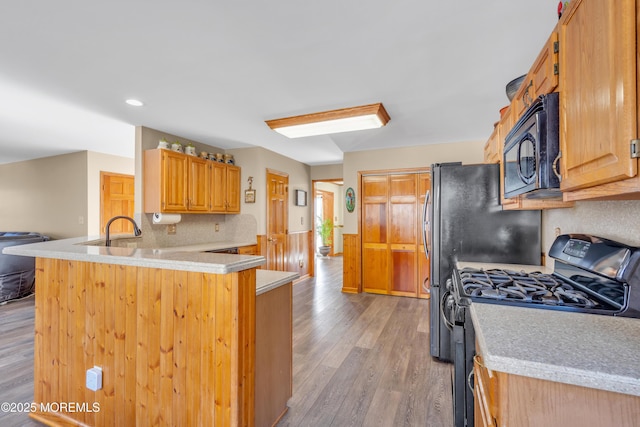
(17, 273)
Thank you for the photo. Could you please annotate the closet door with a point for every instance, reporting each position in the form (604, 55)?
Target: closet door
(375, 251)
(402, 234)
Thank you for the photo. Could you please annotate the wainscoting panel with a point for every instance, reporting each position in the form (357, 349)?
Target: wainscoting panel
(351, 267)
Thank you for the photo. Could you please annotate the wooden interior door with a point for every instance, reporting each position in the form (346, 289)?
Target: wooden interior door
(116, 198)
(375, 249)
(277, 214)
(403, 214)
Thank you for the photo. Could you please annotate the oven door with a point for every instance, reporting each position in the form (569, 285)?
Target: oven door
(521, 157)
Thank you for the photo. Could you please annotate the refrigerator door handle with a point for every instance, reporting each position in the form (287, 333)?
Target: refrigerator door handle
(425, 225)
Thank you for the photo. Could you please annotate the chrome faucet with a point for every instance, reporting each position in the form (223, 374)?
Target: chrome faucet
(136, 230)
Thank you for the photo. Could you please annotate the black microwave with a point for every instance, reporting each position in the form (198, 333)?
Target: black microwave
(532, 151)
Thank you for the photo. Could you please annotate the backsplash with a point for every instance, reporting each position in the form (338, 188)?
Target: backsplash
(616, 220)
(198, 228)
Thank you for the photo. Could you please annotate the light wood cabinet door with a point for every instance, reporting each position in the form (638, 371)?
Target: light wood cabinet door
(198, 184)
(225, 188)
(598, 100)
(174, 181)
(233, 189)
(485, 395)
(541, 79)
(492, 150)
(218, 193)
(248, 250)
(165, 181)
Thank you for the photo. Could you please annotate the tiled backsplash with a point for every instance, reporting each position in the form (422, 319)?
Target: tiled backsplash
(616, 220)
(198, 228)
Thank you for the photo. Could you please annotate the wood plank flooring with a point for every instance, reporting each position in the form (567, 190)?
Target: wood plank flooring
(16, 359)
(359, 360)
(363, 359)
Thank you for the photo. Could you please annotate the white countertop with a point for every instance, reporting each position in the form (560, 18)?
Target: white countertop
(267, 280)
(589, 350)
(184, 258)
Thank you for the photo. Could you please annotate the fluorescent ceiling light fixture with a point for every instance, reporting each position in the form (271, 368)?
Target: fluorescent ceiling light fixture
(335, 121)
(134, 102)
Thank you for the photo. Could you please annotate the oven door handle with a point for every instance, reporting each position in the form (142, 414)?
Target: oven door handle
(443, 301)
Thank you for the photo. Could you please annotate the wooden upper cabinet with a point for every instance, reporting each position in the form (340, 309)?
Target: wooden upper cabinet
(541, 79)
(165, 181)
(177, 182)
(492, 150)
(598, 99)
(198, 184)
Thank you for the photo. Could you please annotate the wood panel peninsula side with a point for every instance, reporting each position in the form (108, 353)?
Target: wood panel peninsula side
(173, 332)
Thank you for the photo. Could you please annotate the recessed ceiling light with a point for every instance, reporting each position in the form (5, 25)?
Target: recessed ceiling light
(334, 121)
(134, 102)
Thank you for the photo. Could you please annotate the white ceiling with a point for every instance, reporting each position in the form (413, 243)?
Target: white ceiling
(213, 71)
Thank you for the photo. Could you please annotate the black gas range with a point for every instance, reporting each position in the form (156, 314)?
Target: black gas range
(591, 275)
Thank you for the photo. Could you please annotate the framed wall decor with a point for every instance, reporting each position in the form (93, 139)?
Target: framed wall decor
(301, 198)
(350, 199)
(249, 196)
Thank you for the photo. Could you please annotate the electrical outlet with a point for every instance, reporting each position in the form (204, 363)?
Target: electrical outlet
(217, 227)
(171, 229)
(301, 220)
(81, 220)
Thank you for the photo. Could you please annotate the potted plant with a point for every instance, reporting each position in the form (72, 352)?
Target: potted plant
(324, 229)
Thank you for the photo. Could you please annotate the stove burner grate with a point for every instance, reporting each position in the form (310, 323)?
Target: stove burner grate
(526, 287)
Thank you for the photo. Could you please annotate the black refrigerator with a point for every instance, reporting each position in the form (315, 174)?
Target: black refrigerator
(465, 222)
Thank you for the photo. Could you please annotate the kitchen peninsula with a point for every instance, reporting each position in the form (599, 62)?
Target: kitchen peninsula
(173, 332)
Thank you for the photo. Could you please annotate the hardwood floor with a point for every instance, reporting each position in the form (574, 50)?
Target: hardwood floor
(359, 359)
(363, 359)
(16, 359)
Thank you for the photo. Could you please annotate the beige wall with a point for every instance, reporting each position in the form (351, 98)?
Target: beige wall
(326, 172)
(59, 195)
(400, 158)
(47, 195)
(254, 162)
